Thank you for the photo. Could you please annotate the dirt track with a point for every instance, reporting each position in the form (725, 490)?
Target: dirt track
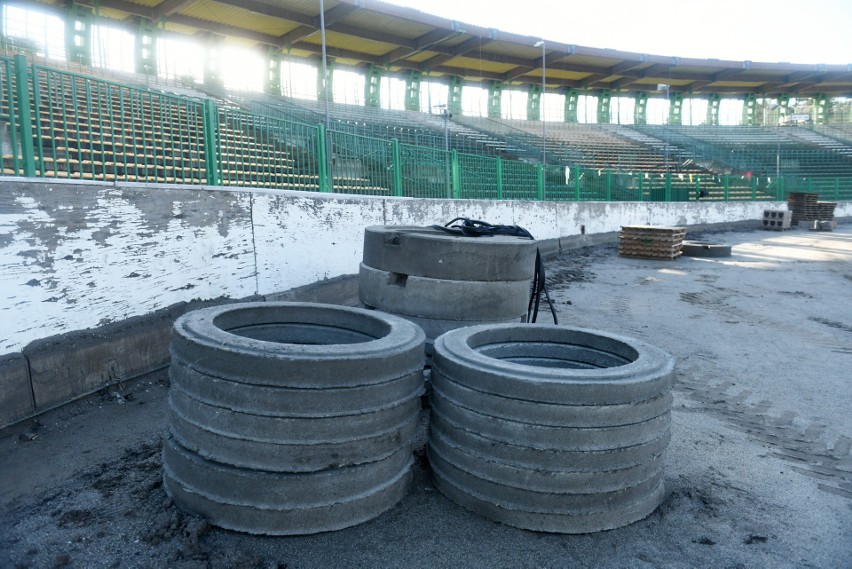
(759, 471)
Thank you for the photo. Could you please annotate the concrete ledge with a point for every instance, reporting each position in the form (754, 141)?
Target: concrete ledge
(338, 290)
(57, 370)
(71, 365)
(16, 395)
(580, 241)
(549, 247)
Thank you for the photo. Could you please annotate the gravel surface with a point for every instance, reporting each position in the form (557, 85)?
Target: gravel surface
(758, 473)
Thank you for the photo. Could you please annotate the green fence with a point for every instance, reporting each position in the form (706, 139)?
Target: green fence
(59, 124)
(101, 130)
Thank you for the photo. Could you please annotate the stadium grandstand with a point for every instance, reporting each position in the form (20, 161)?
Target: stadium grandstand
(364, 97)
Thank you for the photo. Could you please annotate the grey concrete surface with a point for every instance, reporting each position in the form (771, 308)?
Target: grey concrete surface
(758, 471)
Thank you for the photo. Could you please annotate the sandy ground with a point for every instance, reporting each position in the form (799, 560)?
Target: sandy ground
(758, 473)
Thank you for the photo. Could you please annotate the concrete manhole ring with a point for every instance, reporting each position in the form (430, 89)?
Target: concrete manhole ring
(705, 249)
(291, 418)
(550, 428)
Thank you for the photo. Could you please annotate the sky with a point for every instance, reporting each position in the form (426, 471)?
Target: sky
(736, 30)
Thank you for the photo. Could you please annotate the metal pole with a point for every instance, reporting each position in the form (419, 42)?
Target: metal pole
(668, 124)
(328, 153)
(543, 123)
(447, 150)
(543, 88)
(541, 116)
(324, 61)
(778, 159)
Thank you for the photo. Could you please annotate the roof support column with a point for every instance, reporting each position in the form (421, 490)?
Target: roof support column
(273, 72)
(145, 48)
(713, 102)
(749, 109)
(328, 84)
(412, 91)
(572, 98)
(78, 34)
(495, 100)
(640, 108)
(821, 108)
(604, 113)
(454, 96)
(783, 108)
(213, 61)
(534, 102)
(373, 86)
(675, 108)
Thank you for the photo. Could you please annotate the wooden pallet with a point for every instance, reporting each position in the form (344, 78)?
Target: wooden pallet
(651, 242)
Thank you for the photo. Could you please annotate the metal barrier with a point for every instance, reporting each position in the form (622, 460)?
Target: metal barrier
(10, 135)
(258, 151)
(75, 126)
(93, 129)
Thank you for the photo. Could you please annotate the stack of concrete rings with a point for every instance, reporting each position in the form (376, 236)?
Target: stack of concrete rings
(550, 428)
(291, 418)
(441, 281)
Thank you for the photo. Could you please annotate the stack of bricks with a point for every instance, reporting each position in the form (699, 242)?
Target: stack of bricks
(651, 242)
(777, 219)
(804, 206)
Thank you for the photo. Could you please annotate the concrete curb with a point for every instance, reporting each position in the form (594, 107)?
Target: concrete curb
(57, 370)
(16, 394)
(64, 367)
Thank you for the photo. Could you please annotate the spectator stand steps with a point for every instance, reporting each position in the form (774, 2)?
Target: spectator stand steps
(291, 418)
(441, 281)
(550, 428)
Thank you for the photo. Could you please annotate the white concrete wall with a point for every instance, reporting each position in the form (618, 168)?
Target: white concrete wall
(75, 255)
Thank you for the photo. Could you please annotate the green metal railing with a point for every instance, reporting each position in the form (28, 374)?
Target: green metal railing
(68, 125)
(100, 130)
(13, 160)
(258, 151)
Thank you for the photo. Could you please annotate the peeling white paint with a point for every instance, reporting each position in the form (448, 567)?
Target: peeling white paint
(74, 255)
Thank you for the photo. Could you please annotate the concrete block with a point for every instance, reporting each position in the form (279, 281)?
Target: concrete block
(65, 367)
(777, 219)
(824, 226)
(777, 214)
(16, 395)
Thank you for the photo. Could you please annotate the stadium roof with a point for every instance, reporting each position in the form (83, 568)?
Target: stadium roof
(364, 32)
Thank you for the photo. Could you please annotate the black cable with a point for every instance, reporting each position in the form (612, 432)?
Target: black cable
(475, 228)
